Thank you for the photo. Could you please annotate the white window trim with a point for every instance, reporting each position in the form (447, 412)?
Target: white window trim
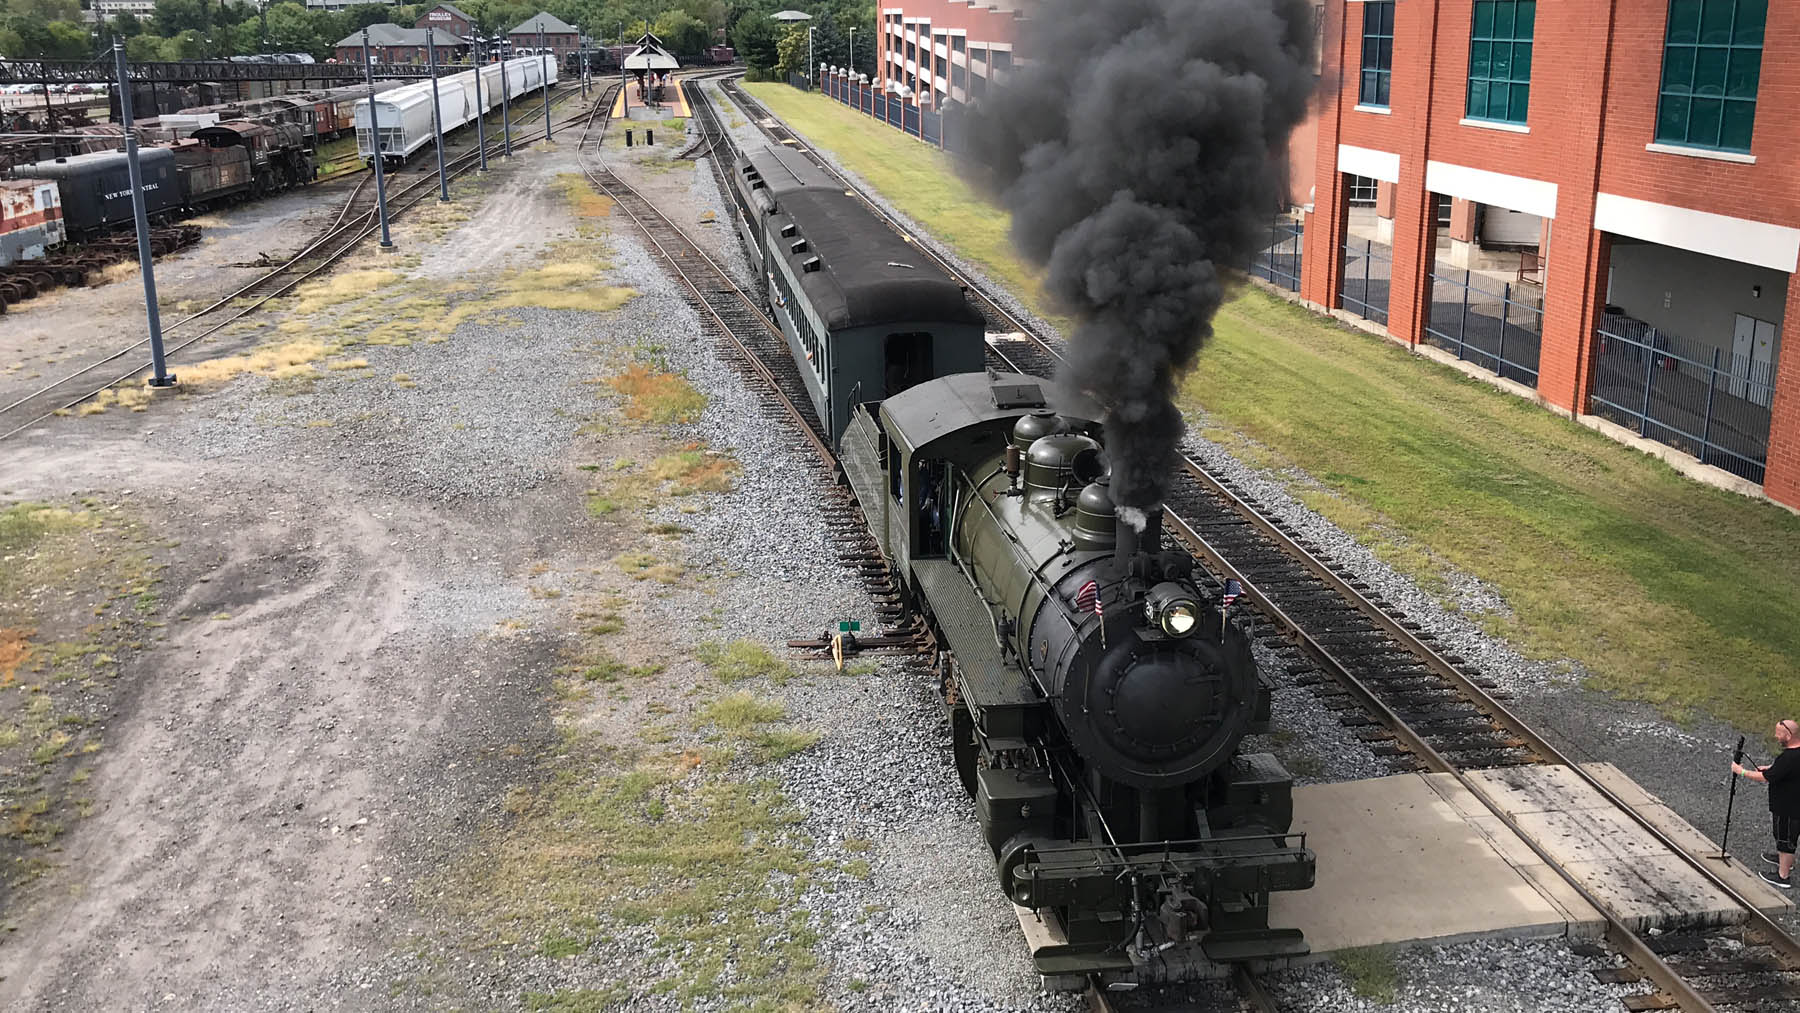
(1687, 152)
(1377, 110)
(1511, 128)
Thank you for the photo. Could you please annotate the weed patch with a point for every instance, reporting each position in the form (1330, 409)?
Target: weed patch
(742, 659)
(583, 199)
(648, 566)
(695, 470)
(1371, 973)
(286, 361)
(71, 585)
(713, 867)
(338, 289)
(662, 398)
(135, 399)
(564, 285)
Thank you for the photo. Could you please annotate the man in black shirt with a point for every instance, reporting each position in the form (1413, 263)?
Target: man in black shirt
(1783, 779)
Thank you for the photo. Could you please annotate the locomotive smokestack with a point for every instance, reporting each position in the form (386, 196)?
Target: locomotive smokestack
(1134, 152)
(1139, 531)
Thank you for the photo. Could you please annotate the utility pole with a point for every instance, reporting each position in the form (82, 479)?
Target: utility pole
(476, 49)
(437, 121)
(161, 377)
(387, 241)
(505, 97)
(544, 78)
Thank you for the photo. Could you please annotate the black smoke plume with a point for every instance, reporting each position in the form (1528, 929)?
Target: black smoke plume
(1134, 149)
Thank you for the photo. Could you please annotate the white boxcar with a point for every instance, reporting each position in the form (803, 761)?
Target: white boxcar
(404, 116)
(405, 112)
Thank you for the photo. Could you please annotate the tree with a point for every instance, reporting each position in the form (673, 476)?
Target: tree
(294, 29)
(359, 17)
(43, 11)
(172, 17)
(125, 24)
(757, 41)
(145, 49)
(68, 42)
(792, 50)
(683, 33)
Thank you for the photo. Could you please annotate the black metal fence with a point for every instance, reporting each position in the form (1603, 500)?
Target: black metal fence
(1693, 396)
(1278, 262)
(1496, 325)
(1368, 277)
(925, 124)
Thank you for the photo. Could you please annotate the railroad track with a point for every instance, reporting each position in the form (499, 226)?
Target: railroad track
(754, 343)
(1391, 685)
(351, 227)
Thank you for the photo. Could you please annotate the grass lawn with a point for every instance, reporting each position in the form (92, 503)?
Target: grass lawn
(1663, 589)
(911, 171)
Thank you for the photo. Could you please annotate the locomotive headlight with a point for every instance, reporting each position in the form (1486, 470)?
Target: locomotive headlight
(1173, 610)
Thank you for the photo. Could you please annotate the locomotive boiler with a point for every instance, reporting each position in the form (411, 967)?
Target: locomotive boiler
(1097, 690)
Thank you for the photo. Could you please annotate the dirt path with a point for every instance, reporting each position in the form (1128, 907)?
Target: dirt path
(264, 792)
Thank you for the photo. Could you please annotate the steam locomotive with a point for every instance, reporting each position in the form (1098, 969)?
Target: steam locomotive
(1097, 695)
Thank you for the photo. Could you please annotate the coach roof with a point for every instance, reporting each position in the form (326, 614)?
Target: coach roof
(866, 274)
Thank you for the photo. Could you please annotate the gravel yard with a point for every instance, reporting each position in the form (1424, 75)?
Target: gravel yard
(450, 668)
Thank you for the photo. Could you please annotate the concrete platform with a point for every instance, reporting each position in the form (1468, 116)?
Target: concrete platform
(673, 106)
(1402, 860)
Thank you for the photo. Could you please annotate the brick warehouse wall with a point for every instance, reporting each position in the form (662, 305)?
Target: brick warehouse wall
(981, 25)
(1594, 82)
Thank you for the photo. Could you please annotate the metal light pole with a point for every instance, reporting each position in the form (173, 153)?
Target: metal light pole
(480, 109)
(852, 50)
(810, 64)
(505, 99)
(161, 377)
(387, 241)
(437, 120)
(544, 78)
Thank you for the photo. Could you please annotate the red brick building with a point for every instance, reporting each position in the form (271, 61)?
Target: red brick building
(933, 51)
(1598, 201)
(560, 37)
(390, 43)
(936, 51)
(448, 18)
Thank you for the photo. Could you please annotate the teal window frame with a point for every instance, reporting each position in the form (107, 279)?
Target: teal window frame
(1500, 40)
(1374, 85)
(1712, 68)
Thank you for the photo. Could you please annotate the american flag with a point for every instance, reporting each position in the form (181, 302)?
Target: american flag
(1088, 598)
(1232, 590)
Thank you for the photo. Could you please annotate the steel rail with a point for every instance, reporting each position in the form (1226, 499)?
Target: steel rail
(1628, 942)
(462, 165)
(1252, 990)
